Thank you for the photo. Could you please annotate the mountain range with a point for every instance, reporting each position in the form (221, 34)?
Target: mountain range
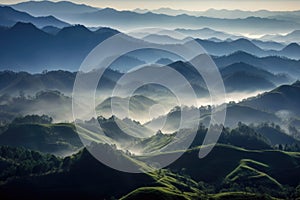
(243, 166)
(282, 100)
(68, 48)
(9, 17)
(59, 9)
(293, 36)
(273, 64)
(110, 17)
(65, 50)
(47, 153)
(225, 13)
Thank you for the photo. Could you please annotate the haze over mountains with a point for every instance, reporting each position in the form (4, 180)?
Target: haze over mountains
(225, 13)
(66, 48)
(257, 22)
(9, 17)
(46, 152)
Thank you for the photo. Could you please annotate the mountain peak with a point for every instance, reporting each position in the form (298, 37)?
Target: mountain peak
(107, 9)
(103, 30)
(244, 41)
(242, 53)
(292, 46)
(241, 65)
(22, 26)
(78, 29)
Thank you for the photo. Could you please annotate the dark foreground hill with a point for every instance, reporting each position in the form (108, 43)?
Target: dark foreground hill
(238, 172)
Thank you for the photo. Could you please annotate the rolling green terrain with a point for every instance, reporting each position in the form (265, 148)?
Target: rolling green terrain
(227, 173)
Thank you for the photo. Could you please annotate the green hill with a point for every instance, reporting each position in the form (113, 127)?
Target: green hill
(283, 168)
(59, 139)
(82, 176)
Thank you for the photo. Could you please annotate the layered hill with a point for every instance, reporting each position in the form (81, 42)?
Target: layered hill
(10, 16)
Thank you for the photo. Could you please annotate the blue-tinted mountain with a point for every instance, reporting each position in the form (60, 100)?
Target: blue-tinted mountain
(243, 68)
(245, 81)
(61, 9)
(138, 106)
(43, 102)
(292, 51)
(276, 135)
(237, 77)
(225, 48)
(225, 13)
(206, 33)
(293, 36)
(14, 82)
(268, 45)
(273, 64)
(68, 47)
(119, 19)
(126, 62)
(219, 48)
(283, 101)
(9, 17)
(161, 39)
(41, 50)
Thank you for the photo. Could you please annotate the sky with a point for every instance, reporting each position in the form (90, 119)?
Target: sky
(188, 4)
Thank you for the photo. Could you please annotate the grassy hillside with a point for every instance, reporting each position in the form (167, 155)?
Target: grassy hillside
(58, 139)
(266, 168)
(228, 170)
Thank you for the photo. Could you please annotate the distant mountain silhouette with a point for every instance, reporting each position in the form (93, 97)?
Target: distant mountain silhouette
(62, 9)
(206, 33)
(9, 17)
(219, 48)
(245, 81)
(161, 39)
(276, 135)
(283, 101)
(292, 50)
(138, 106)
(119, 19)
(268, 45)
(13, 83)
(225, 48)
(65, 50)
(273, 64)
(293, 36)
(248, 76)
(43, 102)
(225, 13)
(234, 113)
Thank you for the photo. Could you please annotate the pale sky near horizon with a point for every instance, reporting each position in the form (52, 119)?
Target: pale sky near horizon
(187, 4)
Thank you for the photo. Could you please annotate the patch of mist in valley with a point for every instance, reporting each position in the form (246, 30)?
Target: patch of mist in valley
(59, 106)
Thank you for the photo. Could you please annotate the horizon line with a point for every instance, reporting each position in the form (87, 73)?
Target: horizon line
(176, 5)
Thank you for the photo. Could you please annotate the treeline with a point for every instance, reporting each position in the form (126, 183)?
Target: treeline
(17, 162)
